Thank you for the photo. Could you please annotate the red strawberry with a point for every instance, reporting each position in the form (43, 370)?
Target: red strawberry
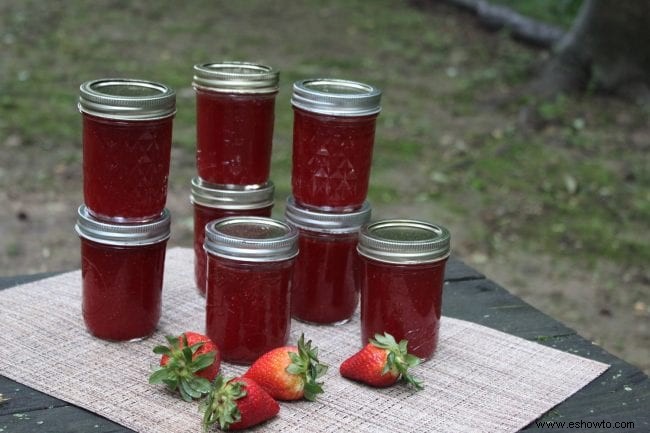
(237, 404)
(188, 364)
(289, 372)
(381, 363)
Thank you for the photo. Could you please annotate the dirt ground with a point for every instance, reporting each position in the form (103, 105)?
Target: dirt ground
(40, 174)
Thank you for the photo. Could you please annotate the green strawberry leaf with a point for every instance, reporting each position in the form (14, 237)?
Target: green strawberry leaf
(162, 350)
(178, 373)
(184, 395)
(203, 361)
(159, 376)
(305, 363)
(200, 384)
(220, 406)
(398, 358)
(187, 389)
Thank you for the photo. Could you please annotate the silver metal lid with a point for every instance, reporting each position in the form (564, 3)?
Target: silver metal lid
(336, 97)
(252, 239)
(233, 197)
(404, 241)
(236, 77)
(126, 99)
(326, 222)
(88, 227)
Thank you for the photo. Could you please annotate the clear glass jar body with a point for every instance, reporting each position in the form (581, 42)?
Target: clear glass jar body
(126, 167)
(404, 300)
(202, 216)
(332, 157)
(121, 289)
(247, 306)
(234, 136)
(324, 288)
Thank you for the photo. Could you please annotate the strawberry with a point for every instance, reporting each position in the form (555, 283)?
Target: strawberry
(289, 372)
(188, 364)
(382, 362)
(237, 404)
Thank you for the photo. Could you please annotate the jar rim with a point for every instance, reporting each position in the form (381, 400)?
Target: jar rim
(251, 238)
(236, 77)
(232, 197)
(126, 99)
(404, 241)
(336, 97)
(122, 234)
(326, 222)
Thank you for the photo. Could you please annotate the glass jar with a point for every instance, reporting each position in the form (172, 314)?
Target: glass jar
(333, 140)
(235, 111)
(127, 135)
(122, 275)
(402, 267)
(324, 286)
(250, 261)
(212, 202)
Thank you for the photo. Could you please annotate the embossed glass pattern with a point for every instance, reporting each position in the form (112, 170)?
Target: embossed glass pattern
(126, 167)
(332, 157)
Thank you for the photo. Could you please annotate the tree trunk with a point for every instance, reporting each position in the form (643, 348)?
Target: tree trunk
(607, 49)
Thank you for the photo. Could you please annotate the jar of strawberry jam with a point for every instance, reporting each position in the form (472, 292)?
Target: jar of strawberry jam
(122, 275)
(212, 202)
(324, 287)
(402, 267)
(235, 111)
(333, 140)
(127, 135)
(250, 262)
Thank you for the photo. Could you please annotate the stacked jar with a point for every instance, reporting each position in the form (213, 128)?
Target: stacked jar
(123, 223)
(235, 112)
(333, 140)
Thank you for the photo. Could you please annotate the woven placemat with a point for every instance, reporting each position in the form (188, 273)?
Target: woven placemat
(480, 380)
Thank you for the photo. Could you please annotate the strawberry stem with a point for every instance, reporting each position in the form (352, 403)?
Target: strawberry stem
(398, 358)
(306, 364)
(220, 406)
(179, 371)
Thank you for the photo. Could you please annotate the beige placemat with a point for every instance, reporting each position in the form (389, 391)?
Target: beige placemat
(480, 380)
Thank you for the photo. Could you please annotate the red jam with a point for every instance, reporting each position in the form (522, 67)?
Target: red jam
(333, 140)
(332, 156)
(125, 167)
(234, 137)
(403, 300)
(122, 289)
(249, 266)
(127, 135)
(122, 275)
(324, 289)
(247, 307)
(402, 268)
(202, 216)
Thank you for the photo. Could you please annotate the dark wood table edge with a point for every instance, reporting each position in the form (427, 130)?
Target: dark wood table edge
(620, 395)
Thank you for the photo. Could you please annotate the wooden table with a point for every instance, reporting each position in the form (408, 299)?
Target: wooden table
(618, 401)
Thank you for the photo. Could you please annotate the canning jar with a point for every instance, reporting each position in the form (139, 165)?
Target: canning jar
(402, 267)
(250, 261)
(122, 275)
(127, 135)
(235, 110)
(212, 202)
(324, 287)
(333, 140)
